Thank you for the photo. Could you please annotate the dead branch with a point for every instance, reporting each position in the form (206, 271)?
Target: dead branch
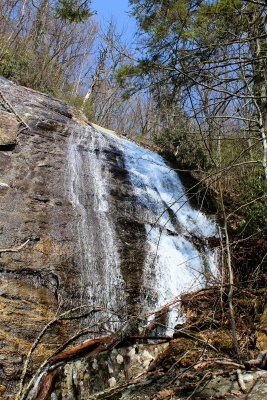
(259, 362)
(78, 350)
(20, 119)
(191, 336)
(14, 249)
(90, 348)
(241, 381)
(93, 347)
(165, 308)
(72, 340)
(226, 362)
(133, 383)
(206, 376)
(46, 384)
(230, 363)
(23, 391)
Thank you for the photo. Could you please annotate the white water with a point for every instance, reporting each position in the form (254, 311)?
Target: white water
(97, 253)
(174, 264)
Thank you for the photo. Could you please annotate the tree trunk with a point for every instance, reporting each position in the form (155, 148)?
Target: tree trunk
(259, 66)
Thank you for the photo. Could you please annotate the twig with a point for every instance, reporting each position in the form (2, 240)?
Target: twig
(230, 363)
(259, 362)
(241, 381)
(14, 249)
(21, 394)
(133, 383)
(46, 383)
(24, 390)
(14, 111)
(207, 375)
(220, 362)
(184, 333)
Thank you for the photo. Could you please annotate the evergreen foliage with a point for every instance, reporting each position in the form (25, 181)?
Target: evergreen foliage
(207, 60)
(72, 11)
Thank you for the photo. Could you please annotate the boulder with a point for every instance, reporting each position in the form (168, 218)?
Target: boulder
(8, 129)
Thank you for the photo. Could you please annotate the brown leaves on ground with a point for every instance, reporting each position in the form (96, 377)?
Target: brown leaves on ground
(164, 394)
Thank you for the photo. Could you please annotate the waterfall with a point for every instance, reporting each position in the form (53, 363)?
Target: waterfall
(173, 264)
(140, 242)
(101, 281)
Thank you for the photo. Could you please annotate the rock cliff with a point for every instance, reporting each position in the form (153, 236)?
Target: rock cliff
(37, 239)
(86, 218)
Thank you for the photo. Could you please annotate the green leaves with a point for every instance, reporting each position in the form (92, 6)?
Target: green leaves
(14, 65)
(254, 213)
(73, 11)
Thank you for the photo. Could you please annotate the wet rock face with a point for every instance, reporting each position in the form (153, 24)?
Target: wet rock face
(35, 212)
(129, 229)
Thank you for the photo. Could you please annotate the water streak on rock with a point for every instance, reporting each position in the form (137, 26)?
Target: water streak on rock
(100, 280)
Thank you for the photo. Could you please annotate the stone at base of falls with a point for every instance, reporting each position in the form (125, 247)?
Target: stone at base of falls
(223, 386)
(227, 387)
(109, 369)
(8, 129)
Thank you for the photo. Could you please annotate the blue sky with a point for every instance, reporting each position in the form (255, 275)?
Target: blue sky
(117, 9)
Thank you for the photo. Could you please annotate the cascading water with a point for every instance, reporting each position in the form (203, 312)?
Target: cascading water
(140, 242)
(173, 264)
(101, 280)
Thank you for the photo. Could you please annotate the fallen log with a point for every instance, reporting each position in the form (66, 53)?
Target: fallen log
(46, 385)
(90, 348)
(78, 350)
(259, 362)
(87, 347)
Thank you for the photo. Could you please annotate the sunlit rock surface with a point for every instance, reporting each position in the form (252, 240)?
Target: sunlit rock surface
(8, 129)
(86, 218)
